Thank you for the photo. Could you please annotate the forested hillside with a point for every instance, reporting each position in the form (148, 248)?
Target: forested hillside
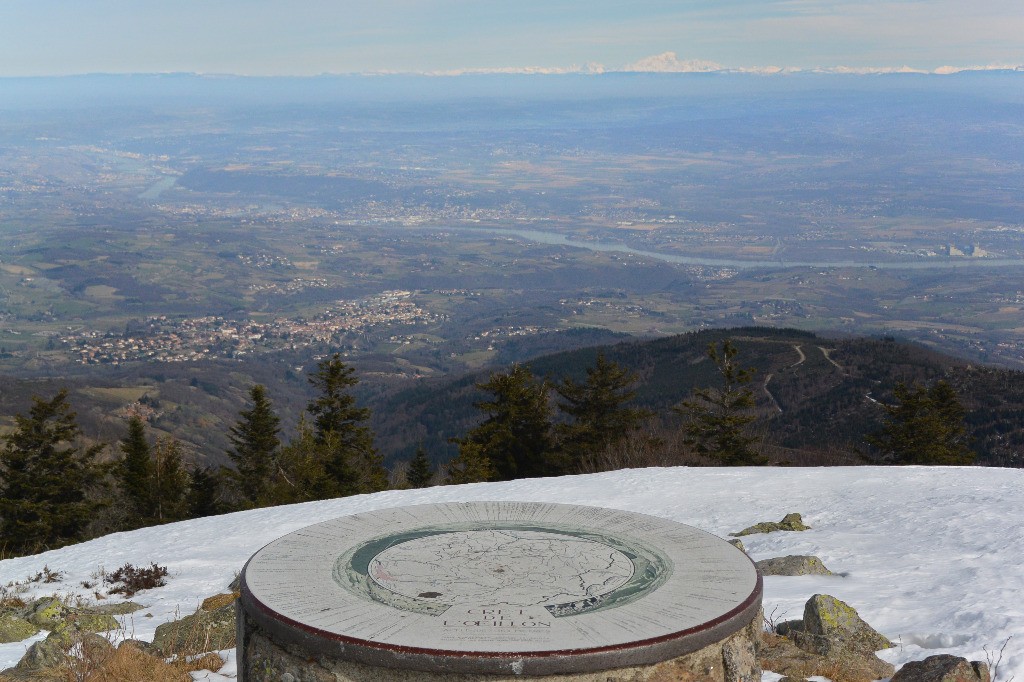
(812, 393)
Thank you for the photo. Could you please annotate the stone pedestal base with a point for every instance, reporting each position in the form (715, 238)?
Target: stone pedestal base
(261, 659)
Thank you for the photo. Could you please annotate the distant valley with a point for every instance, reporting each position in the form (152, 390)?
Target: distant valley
(194, 235)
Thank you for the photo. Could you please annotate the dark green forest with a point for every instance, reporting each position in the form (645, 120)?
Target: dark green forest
(746, 396)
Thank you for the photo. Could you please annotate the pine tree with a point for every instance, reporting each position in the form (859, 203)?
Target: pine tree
(170, 482)
(718, 418)
(205, 492)
(45, 479)
(471, 465)
(255, 448)
(600, 418)
(516, 437)
(420, 474)
(925, 426)
(301, 475)
(346, 442)
(134, 474)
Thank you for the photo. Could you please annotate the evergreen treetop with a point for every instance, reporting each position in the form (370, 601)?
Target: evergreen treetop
(255, 447)
(718, 418)
(420, 474)
(346, 442)
(598, 409)
(516, 438)
(924, 426)
(170, 482)
(46, 479)
(134, 474)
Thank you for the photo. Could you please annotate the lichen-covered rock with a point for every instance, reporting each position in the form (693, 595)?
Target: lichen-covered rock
(792, 522)
(943, 668)
(46, 612)
(781, 655)
(14, 629)
(795, 564)
(839, 623)
(738, 544)
(87, 622)
(830, 638)
(201, 632)
(115, 609)
(219, 601)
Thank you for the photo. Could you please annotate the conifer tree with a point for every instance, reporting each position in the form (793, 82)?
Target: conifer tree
(170, 482)
(600, 418)
(339, 429)
(46, 478)
(205, 491)
(301, 475)
(134, 474)
(420, 474)
(925, 426)
(516, 437)
(471, 465)
(255, 448)
(718, 418)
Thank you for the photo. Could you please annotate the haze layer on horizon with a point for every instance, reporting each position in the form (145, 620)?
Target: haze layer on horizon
(269, 37)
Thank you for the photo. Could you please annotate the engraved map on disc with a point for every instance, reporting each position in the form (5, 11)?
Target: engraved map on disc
(501, 566)
(500, 577)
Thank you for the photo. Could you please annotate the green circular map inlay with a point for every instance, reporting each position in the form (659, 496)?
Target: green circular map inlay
(564, 571)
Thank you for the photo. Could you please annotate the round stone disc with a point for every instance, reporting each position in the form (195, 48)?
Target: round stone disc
(499, 587)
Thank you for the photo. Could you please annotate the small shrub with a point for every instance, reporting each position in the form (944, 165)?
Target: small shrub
(45, 576)
(994, 658)
(129, 579)
(9, 600)
(772, 620)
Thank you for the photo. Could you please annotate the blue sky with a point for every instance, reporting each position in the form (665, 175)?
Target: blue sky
(301, 37)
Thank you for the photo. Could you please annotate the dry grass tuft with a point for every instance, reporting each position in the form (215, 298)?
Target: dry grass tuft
(211, 661)
(128, 664)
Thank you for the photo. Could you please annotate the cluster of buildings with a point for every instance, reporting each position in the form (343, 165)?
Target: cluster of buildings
(163, 339)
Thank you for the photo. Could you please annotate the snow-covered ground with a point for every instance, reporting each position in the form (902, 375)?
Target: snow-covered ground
(933, 558)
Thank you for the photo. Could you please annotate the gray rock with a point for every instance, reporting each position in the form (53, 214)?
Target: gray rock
(792, 565)
(789, 522)
(95, 647)
(140, 645)
(738, 657)
(788, 627)
(51, 652)
(943, 668)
